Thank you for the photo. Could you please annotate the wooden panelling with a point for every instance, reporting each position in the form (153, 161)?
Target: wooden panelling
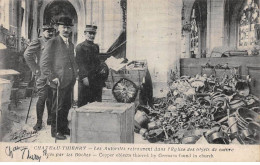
(248, 65)
(190, 70)
(254, 72)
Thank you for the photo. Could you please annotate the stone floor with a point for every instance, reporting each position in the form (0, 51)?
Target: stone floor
(14, 129)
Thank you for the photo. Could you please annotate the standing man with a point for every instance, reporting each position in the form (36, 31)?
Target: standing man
(32, 57)
(90, 81)
(59, 67)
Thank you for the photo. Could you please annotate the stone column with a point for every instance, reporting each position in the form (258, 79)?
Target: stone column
(175, 25)
(81, 10)
(215, 24)
(102, 23)
(96, 19)
(107, 15)
(131, 27)
(19, 24)
(89, 12)
(35, 20)
(13, 16)
(26, 17)
(154, 34)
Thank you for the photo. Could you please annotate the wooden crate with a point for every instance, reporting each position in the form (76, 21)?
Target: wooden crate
(103, 123)
(107, 95)
(136, 75)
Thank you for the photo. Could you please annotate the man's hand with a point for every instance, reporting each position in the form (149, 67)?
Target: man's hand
(85, 81)
(56, 81)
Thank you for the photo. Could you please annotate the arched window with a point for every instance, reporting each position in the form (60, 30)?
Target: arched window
(198, 30)
(194, 42)
(247, 26)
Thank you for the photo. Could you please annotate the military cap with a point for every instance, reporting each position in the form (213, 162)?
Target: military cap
(90, 28)
(67, 21)
(47, 27)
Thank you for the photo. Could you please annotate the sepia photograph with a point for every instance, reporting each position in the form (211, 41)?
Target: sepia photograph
(129, 80)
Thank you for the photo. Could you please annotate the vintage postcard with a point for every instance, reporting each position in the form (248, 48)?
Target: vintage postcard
(129, 80)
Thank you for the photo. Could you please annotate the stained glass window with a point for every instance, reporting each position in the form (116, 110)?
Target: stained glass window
(248, 21)
(194, 47)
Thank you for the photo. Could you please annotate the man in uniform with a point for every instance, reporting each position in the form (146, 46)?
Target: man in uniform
(59, 67)
(90, 80)
(32, 57)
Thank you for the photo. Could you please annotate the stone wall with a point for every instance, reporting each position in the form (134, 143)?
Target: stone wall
(154, 34)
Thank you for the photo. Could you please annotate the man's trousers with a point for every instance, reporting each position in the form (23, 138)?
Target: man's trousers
(44, 96)
(65, 100)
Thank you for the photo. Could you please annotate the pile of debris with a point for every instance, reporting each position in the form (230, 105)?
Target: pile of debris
(202, 109)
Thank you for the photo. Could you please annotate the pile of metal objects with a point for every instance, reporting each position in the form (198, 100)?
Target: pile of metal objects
(202, 109)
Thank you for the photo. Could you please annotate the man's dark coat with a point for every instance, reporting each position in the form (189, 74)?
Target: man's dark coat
(88, 62)
(58, 61)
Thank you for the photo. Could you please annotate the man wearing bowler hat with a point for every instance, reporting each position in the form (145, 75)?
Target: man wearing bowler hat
(32, 57)
(59, 67)
(91, 80)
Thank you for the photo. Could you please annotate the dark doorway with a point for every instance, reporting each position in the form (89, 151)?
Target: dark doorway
(58, 8)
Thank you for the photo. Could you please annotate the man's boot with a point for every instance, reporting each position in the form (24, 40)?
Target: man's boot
(66, 131)
(49, 119)
(38, 126)
(58, 135)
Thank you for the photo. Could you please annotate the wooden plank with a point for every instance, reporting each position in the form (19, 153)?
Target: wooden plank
(232, 61)
(73, 130)
(133, 78)
(99, 121)
(98, 137)
(129, 125)
(191, 70)
(207, 71)
(123, 127)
